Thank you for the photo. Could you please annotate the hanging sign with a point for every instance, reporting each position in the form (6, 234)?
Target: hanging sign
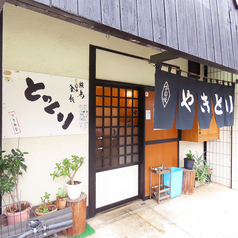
(218, 104)
(228, 94)
(204, 110)
(186, 103)
(166, 88)
(43, 105)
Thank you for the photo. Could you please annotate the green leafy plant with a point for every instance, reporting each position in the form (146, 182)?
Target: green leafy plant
(190, 156)
(61, 192)
(45, 201)
(68, 168)
(202, 169)
(11, 168)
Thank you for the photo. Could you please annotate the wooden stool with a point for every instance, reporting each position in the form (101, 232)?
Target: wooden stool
(79, 215)
(188, 181)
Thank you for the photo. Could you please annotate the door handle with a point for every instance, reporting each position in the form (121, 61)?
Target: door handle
(100, 148)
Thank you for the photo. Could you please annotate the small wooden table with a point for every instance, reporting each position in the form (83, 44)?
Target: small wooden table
(188, 181)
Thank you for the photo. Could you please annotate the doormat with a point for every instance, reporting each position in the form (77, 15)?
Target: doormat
(88, 231)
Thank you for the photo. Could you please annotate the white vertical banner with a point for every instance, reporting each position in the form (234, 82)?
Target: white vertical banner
(43, 105)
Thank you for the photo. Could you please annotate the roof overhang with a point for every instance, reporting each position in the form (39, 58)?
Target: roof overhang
(168, 53)
(173, 54)
(1, 4)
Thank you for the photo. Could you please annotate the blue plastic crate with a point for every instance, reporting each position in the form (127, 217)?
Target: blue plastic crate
(177, 181)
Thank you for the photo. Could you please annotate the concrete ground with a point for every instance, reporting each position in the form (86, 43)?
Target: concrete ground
(211, 211)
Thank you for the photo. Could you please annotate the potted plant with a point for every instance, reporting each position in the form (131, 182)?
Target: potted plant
(202, 170)
(46, 206)
(61, 198)
(68, 168)
(189, 160)
(12, 167)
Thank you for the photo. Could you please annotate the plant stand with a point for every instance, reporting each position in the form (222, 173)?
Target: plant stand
(188, 181)
(79, 215)
(160, 190)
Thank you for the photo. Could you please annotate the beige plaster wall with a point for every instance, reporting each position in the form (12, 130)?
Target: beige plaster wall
(37, 43)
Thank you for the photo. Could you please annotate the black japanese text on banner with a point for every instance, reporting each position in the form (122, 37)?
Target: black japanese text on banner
(218, 104)
(169, 86)
(228, 95)
(186, 103)
(166, 88)
(204, 109)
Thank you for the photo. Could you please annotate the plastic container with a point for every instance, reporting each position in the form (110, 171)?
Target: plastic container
(177, 181)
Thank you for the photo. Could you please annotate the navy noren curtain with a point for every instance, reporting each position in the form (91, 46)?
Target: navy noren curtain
(204, 106)
(166, 88)
(186, 103)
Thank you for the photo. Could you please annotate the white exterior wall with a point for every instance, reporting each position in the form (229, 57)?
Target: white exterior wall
(185, 146)
(37, 43)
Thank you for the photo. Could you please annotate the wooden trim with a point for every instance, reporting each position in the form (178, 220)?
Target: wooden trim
(102, 82)
(121, 53)
(100, 209)
(147, 197)
(164, 56)
(1, 61)
(117, 167)
(156, 135)
(142, 143)
(92, 114)
(152, 142)
(92, 136)
(155, 156)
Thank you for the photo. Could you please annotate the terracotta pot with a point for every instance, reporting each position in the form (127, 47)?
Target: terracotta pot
(16, 217)
(60, 202)
(49, 205)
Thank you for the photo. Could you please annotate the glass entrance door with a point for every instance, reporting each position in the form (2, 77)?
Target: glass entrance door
(117, 142)
(117, 128)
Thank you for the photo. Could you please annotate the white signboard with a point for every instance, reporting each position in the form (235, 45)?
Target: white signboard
(43, 105)
(148, 115)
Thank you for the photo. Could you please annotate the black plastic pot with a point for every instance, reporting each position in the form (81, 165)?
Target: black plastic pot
(209, 179)
(188, 164)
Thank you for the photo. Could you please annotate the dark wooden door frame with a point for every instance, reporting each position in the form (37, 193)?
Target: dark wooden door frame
(92, 115)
